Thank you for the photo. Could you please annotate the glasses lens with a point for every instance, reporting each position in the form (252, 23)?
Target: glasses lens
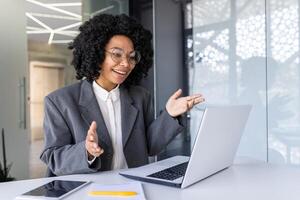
(117, 55)
(135, 57)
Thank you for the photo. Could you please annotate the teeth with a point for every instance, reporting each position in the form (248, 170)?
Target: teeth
(120, 72)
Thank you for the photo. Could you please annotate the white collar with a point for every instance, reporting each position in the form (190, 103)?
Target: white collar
(104, 94)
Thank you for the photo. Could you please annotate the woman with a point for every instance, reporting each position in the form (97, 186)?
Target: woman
(106, 120)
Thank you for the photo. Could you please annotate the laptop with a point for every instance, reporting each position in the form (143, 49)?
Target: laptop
(214, 150)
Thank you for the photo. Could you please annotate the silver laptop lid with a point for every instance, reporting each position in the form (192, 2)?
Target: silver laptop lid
(216, 142)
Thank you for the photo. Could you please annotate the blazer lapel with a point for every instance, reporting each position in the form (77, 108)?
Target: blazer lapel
(90, 111)
(128, 114)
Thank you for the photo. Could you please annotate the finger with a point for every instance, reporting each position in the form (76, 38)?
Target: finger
(91, 136)
(93, 127)
(191, 97)
(95, 145)
(98, 152)
(94, 149)
(176, 94)
(90, 146)
(92, 133)
(190, 104)
(199, 100)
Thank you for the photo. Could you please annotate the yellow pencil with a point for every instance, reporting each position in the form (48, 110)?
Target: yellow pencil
(112, 193)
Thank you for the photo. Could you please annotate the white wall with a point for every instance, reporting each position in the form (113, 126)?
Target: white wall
(13, 66)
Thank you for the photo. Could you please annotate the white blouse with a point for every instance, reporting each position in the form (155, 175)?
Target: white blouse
(110, 106)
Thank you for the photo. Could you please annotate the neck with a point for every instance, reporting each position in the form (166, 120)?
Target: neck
(105, 85)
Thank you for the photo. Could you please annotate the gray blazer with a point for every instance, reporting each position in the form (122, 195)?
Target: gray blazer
(69, 112)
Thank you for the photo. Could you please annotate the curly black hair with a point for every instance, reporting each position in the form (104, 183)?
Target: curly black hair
(88, 46)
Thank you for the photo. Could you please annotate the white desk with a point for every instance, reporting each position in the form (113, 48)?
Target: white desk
(242, 181)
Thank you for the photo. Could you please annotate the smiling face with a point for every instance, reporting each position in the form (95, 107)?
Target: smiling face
(116, 66)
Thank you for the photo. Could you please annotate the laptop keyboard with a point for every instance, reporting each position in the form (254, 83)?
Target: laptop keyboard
(171, 173)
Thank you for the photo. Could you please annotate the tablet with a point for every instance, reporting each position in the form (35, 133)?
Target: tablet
(53, 190)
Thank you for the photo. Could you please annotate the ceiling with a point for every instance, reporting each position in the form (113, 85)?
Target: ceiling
(57, 21)
(53, 21)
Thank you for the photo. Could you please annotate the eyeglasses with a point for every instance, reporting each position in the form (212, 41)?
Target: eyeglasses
(118, 54)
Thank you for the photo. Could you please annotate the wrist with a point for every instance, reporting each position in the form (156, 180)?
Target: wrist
(90, 156)
(170, 113)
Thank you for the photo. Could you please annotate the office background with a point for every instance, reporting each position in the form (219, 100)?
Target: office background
(232, 51)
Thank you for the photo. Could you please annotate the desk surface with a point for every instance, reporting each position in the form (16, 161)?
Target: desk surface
(243, 180)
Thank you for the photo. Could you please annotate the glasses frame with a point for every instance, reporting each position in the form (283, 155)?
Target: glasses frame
(124, 55)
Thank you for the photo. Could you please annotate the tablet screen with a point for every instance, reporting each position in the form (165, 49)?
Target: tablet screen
(56, 188)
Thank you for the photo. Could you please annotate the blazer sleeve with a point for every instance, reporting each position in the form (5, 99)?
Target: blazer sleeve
(160, 131)
(61, 154)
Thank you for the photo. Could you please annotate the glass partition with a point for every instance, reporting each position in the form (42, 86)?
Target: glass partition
(247, 52)
(283, 81)
(230, 64)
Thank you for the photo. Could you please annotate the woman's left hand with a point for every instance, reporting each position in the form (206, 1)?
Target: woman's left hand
(177, 105)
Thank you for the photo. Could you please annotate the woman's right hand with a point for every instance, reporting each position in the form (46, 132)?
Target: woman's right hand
(91, 142)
